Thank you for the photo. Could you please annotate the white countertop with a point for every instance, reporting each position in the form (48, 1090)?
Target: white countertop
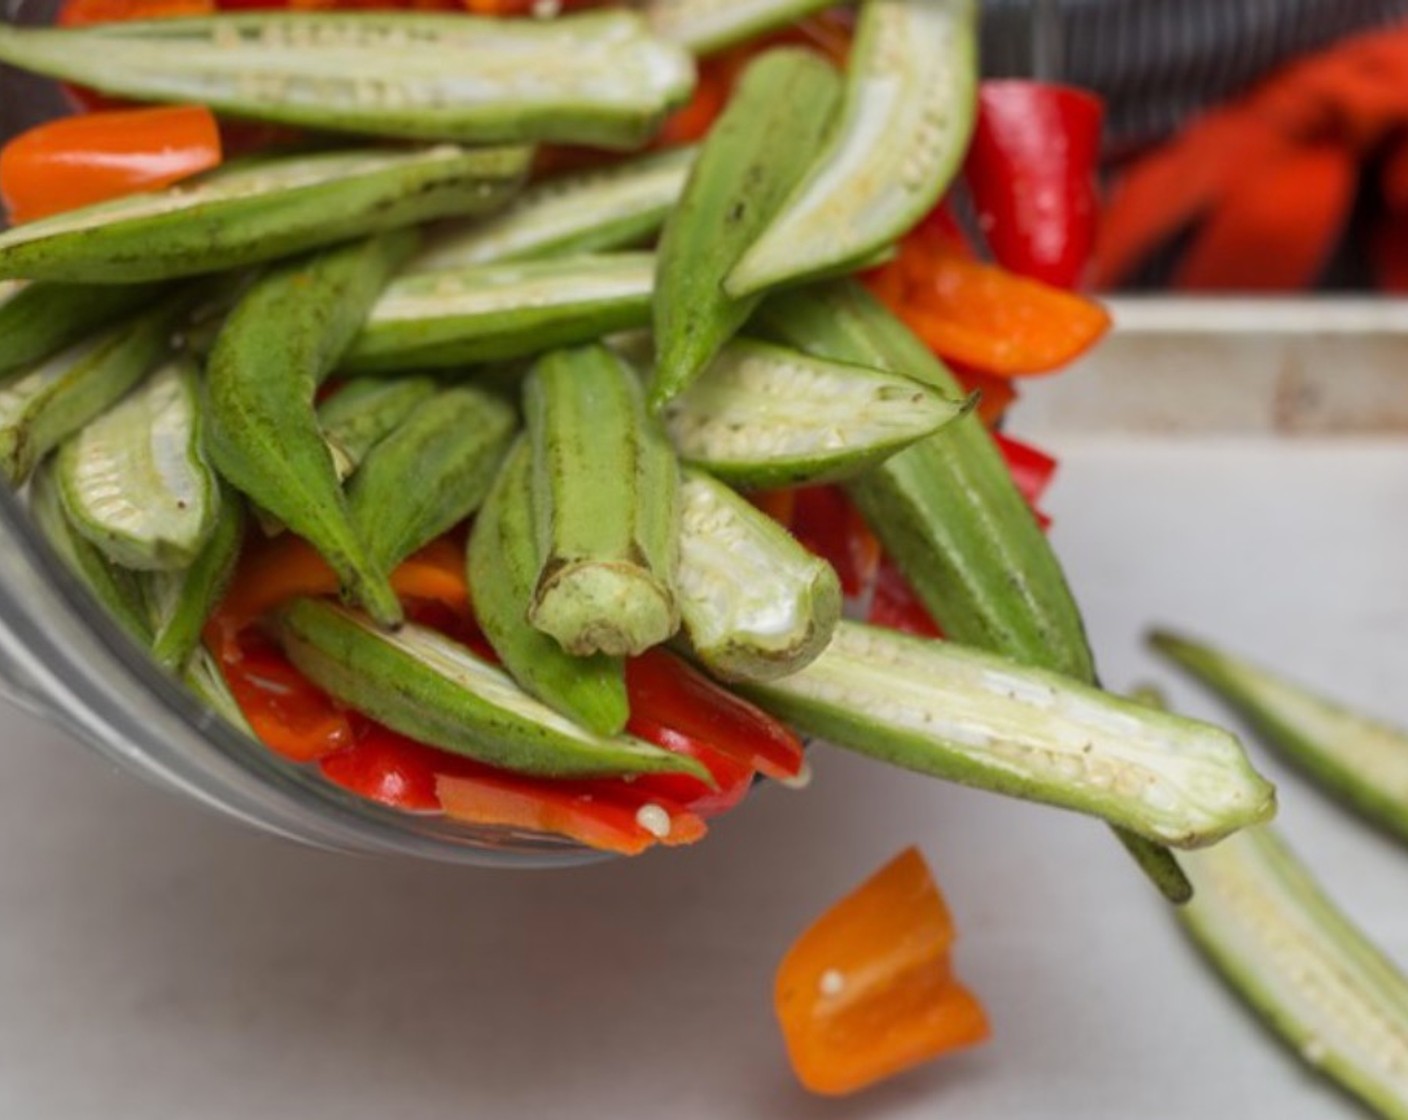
(157, 962)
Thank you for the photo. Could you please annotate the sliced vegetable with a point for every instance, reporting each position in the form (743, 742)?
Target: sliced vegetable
(1032, 468)
(435, 691)
(705, 26)
(895, 606)
(387, 768)
(449, 319)
(606, 507)
(771, 131)
(986, 721)
(755, 603)
(203, 677)
(764, 415)
(257, 210)
(503, 569)
(903, 129)
(596, 78)
(588, 211)
(38, 320)
(1360, 760)
(135, 481)
(365, 411)
(278, 345)
(732, 777)
(868, 990)
(79, 160)
(829, 524)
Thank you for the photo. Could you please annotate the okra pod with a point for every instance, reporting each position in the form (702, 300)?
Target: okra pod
(450, 319)
(38, 320)
(1361, 761)
(597, 78)
(203, 677)
(771, 130)
(591, 211)
(705, 26)
(365, 411)
(903, 128)
(764, 415)
(429, 474)
(135, 481)
(280, 342)
(418, 682)
(503, 570)
(978, 719)
(258, 210)
(605, 504)
(755, 604)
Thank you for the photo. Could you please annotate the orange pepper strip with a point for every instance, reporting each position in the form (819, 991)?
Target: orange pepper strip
(80, 160)
(80, 13)
(984, 316)
(868, 992)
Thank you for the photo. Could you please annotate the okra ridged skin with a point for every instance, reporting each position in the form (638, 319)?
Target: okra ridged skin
(418, 682)
(260, 209)
(705, 26)
(900, 137)
(503, 571)
(429, 474)
(365, 411)
(978, 719)
(1298, 961)
(593, 211)
(605, 506)
(755, 604)
(597, 78)
(38, 320)
(277, 346)
(449, 319)
(1361, 761)
(770, 131)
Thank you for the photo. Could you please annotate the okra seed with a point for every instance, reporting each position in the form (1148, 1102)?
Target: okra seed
(654, 819)
(832, 982)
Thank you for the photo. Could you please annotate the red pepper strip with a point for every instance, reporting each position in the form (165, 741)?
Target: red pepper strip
(1031, 169)
(995, 394)
(1389, 251)
(1393, 177)
(668, 691)
(80, 160)
(896, 606)
(732, 776)
(388, 768)
(780, 505)
(80, 13)
(712, 86)
(828, 524)
(1032, 469)
(1275, 231)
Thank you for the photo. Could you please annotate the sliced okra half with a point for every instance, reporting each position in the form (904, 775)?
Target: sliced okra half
(366, 410)
(706, 26)
(597, 78)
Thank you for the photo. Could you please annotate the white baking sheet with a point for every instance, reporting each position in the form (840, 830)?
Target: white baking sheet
(156, 962)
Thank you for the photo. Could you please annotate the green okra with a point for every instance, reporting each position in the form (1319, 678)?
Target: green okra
(260, 209)
(278, 345)
(987, 721)
(38, 320)
(1359, 760)
(755, 604)
(605, 505)
(429, 474)
(418, 682)
(769, 133)
(592, 211)
(116, 589)
(503, 571)
(903, 128)
(44, 403)
(203, 677)
(449, 319)
(705, 26)
(595, 78)
(135, 480)
(764, 415)
(179, 603)
(365, 411)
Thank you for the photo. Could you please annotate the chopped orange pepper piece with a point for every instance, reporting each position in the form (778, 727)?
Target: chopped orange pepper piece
(868, 992)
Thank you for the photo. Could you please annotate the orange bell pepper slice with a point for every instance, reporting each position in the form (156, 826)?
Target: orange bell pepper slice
(868, 991)
(80, 13)
(77, 161)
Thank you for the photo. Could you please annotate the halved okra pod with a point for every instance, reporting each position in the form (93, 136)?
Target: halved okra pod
(429, 474)
(448, 319)
(605, 504)
(597, 78)
(280, 342)
(754, 155)
(982, 720)
(705, 26)
(38, 320)
(418, 682)
(903, 128)
(503, 571)
(755, 604)
(259, 209)
(203, 676)
(365, 411)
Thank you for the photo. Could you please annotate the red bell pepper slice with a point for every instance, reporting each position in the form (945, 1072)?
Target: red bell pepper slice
(80, 13)
(1032, 468)
(1031, 169)
(826, 522)
(896, 606)
(732, 776)
(388, 768)
(667, 691)
(76, 161)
